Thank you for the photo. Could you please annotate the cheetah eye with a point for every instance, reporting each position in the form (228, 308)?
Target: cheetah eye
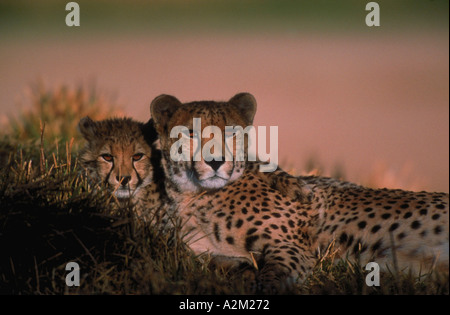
(107, 157)
(192, 134)
(137, 156)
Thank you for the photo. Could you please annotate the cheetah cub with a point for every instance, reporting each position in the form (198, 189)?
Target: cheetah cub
(236, 214)
(120, 154)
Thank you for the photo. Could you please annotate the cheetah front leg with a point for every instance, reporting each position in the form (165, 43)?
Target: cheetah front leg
(282, 266)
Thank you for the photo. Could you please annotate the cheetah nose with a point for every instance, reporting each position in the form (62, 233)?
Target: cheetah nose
(123, 180)
(214, 164)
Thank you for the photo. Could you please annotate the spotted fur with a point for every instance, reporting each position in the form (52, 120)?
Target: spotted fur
(400, 229)
(281, 224)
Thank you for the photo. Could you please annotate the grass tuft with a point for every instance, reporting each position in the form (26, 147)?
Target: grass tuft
(59, 109)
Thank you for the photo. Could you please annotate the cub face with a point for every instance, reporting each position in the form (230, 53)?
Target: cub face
(195, 173)
(117, 154)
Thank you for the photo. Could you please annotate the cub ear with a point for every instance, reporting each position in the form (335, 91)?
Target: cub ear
(246, 104)
(162, 108)
(87, 127)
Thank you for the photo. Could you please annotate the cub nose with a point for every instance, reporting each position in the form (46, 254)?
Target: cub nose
(123, 180)
(215, 164)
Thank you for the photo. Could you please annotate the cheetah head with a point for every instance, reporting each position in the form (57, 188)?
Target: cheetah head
(117, 154)
(197, 172)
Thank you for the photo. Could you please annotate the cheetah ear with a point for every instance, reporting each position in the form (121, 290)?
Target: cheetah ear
(162, 108)
(87, 127)
(246, 103)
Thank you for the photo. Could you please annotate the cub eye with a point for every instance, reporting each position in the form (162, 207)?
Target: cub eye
(107, 157)
(137, 156)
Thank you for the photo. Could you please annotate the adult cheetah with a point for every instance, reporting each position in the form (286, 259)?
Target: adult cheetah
(230, 212)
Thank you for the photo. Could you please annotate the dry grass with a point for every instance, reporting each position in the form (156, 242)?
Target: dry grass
(50, 216)
(60, 109)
